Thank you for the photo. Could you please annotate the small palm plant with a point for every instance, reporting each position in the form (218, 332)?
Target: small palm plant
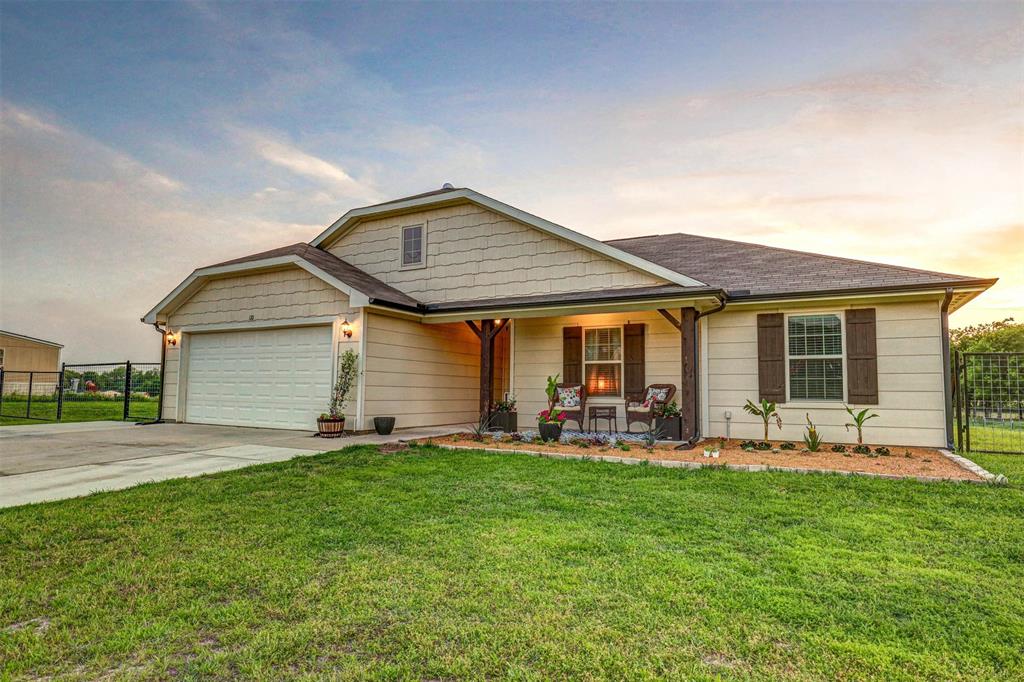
(858, 421)
(812, 439)
(766, 410)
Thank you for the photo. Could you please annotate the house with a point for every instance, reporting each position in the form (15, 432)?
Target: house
(453, 298)
(20, 353)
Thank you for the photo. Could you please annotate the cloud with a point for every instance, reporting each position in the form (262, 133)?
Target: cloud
(307, 165)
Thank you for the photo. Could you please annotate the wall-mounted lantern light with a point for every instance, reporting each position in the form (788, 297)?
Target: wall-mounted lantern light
(172, 339)
(346, 328)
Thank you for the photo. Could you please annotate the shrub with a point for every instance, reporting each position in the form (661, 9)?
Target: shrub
(882, 450)
(763, 445)
(747, 445)
(862, 449)
(838, 447)
(787, 446)
(858, 421)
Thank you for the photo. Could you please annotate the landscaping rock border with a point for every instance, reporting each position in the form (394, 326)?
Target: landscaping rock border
(675, 464)
(974, 468)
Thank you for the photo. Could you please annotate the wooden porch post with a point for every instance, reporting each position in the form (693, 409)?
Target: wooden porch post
(486, 332)
(486, 365)
(688, 378)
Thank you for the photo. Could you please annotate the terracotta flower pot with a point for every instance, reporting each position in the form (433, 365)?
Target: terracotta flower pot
(550, 432)
(331, 427)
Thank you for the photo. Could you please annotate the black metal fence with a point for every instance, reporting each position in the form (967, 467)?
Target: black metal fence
(83, 392)
(988, 392)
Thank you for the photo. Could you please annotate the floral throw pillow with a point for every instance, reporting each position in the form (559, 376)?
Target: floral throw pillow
(569, 397)
(656, 395)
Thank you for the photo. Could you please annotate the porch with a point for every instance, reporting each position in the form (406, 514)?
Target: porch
(615, 355)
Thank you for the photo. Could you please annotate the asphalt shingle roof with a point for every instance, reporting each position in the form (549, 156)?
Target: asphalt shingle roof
(336, 267)
(739, 267)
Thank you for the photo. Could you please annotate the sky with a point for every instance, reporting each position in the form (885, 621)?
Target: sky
(139, 141)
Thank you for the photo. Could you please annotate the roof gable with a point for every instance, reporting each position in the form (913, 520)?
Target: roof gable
(454, 196)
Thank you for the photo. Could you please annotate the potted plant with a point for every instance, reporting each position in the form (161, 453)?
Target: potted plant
(670, 422)
(504, 416)
(549, 422)
(331, 424)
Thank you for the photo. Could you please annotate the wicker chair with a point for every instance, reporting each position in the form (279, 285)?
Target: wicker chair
(638, 411)
(576, 413)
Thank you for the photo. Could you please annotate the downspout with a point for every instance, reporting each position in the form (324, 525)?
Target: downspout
(947, 374)
(163, 358)
(697, 371)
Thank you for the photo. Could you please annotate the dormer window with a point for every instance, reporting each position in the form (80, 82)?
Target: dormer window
(413, 247)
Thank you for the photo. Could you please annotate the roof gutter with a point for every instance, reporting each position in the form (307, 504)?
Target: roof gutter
(848, 291)
(947, 374)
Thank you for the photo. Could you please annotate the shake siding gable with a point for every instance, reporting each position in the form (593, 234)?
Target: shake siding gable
(910, 381)
(474, 253)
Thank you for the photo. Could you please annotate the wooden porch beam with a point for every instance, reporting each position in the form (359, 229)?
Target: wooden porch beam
(668, 316)
(476, 330)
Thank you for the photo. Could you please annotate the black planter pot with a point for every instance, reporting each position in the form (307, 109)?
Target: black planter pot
(671, 427)
(504, 421)
(550, 432)
(384, 425)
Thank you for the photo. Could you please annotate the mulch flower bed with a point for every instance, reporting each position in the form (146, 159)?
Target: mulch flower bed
(902, 461)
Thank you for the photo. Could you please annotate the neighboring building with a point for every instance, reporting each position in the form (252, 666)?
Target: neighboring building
(20, 353)
(257, 339)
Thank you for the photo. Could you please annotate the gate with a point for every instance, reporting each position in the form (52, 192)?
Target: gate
(988, 394)
(83, 392)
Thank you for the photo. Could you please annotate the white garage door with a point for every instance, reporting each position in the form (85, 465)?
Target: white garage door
(274, 378)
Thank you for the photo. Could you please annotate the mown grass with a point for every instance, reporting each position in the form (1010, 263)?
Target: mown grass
(432, 564)
(81, 411)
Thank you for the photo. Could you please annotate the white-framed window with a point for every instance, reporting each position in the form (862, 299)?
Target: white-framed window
(414, 246)
(815, 356)
(602, 361)
(1, 358)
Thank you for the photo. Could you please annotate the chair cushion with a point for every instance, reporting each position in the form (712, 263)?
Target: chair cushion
(656, 394)
(568, 397)
(645, 407)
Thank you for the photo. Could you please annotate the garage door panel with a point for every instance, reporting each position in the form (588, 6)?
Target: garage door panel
(279, 378)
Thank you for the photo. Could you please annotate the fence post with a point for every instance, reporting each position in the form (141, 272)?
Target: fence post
(1, 390)
(958, 390)
(127, 387)
(28, 405)
(60, 391)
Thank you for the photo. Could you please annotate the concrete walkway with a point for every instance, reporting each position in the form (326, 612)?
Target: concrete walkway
(55, 461)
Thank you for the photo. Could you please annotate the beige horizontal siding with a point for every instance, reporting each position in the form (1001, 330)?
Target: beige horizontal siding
(275, 296)
(423, 375)
(910, 380)
(538, 354)
(473, 253)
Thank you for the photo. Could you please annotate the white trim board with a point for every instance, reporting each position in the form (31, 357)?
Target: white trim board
(356, 215)
(197, 279)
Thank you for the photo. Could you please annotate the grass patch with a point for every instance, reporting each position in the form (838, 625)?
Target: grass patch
(1011, 466)
(83, 411)
(437, 564)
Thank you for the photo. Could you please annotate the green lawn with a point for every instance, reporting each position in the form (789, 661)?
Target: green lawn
(82, 411)
(432, 564)
(1007, 437)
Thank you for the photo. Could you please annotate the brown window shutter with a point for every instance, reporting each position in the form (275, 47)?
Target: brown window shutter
(861, 357)
(771, 357)
(634, 362)
(572, 355)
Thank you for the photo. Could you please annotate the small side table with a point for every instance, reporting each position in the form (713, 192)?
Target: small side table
(608, 412)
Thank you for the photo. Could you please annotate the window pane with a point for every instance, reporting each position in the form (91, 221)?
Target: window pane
(603, 379)
(412, 245)
(603, 344)
(815, 335)
(816, 379)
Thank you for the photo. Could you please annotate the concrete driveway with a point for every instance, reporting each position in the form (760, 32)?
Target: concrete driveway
(55, 461)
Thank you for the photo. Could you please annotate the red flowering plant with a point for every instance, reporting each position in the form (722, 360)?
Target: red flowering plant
(552, 416)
